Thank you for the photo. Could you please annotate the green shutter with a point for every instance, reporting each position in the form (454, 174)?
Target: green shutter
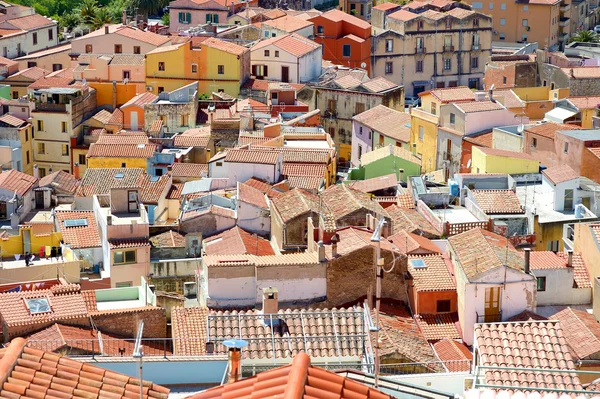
(180, 17)
(216, 18)
(207, 18)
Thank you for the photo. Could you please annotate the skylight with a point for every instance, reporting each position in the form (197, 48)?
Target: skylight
(119, 175)
(76, 223)
(418, 263)
(38, 305)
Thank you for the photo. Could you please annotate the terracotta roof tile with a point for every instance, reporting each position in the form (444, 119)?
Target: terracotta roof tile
(560, 174)
(140, 100)
(351, 239)
(222, 45)
(293, 44)
(342, 201)
(434, 276)
(479, 106)
(128, 59)
(252, 156)
(527, 315)
(585, 72)
(409, 243)
(237, 241)
(189, 330)
(336, 15)
(439, 326)
(155, 127)
(378, 84)
(403, 15)
(547, 260)
(287, 24)
(212, 209)
(50, 82)
(175, 191)
(303, 169)
(100, 181)
(263, 186)
(12, 120)
(30, 22)
(406, 201)
(60, 180)
(411, 221)
(518, 344)
(198, 137)
(33, 73)
(123, 138)
(386, 6)
(17, 182)
(128, 243)
(549, 129)
(481, 140)
(585, 102)
(121, 150)
(180, 169)
(456, 356)
(581, 330)
(295, 203)
(389, 150)
(497, 202)
(453, 94)
(168, 239)
(77, 237)
(375, 183)
(142, 36)
(89, 297)
(252, 196)
(310, 183)
(386, 121)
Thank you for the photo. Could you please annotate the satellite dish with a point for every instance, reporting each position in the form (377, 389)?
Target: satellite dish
(363, 65)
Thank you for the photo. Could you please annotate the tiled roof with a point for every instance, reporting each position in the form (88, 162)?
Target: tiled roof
(17, 182)
(79, 236)
(60, 180)
(439, 326)
(237, 241)
(175, 191)
(481, 140)
(142, 36)
(263, 187)
(508, 98)
(12, 120)
(336, 15)
(222, 45)
(400, 335)
(544, 260)
(121, 150)
(456, 356)
(403, 15)
(351, 239)
(295, 203)
(102, 116)
(152, 188)
(128, 59)
(123, 138)
(49, 82)
(479, 106)
(435, 276)
(252, 196)
(411, 221)
(296, 380)
(263, 84)
(585, 102)
(549, 129)
(497, 202)
(409, 243)
(100, 181)
(64, 306)
(212, 209)
(386, 121)
(523, 345)
(478, 251)
(168, 239)
(180, 169)
(303, 169)
(140, 100)
(33, 73)
(342, 201)
(452, 94)
(198, 137)
(89, 297)
(386, 151)
(386, 6)
(584, 72)
(293, 259)
(560, 174)
(293, 44)
(296, 155)
(581, 330)
(287, 24)
(527, 315)
(128, 243)
(31, 22)
(311, 183)
(189, 330)
(378, 84)
(252, 156)
(375, 183)
(155, 127)
(116, 118)
(406, 201)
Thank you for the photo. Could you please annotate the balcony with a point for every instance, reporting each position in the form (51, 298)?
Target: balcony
(564, 21)
(562, 37)
(565, 7)
(475, 47)
(448, 49)
(489, 318)
(420, 50)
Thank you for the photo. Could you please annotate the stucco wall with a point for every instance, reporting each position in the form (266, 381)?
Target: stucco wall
(559, 289)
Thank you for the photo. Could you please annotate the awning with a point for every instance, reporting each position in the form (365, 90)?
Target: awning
(559, 115)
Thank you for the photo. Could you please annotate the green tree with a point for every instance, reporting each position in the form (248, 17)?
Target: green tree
(69, 20)
(101, 18)
(585, 36)
(88, 10)
(147, 7)
(165, 19)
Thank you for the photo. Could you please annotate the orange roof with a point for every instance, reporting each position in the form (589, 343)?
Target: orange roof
(303, 169)
(33, 73)
(456, 356)
(121, 150)
(237, 241)
(582, 331)
(30, 22)
(17, 182)
(585, 102)
(494, 202)
(222, 45)
(31, 372)
(375, 183)
(197, 137)
(451, 94)
(548, 260)
(560, 174)
(180, 169)
(434, 276)
(188, 330)
(297, 380)
(122, 138)
(293, 44)
(585, 72)
(481, 140)
(175, 191)
(52, 82)
(252, 156)
(139, 100)
(438, 326)
(310, 183)
(549, 129)
(479, 106)
(12, 120)
(294, 203)
(142, 36)
(263, 187)
(168, 239)
(338, 15)
(410, 243)
(386, 6)
(79, 236)
(252, 196)
(60, 180)
(403, 15)
(287, 24)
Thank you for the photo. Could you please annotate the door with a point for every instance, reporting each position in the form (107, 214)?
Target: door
(568, 200)
(26, 241)
(285, 74)
(132, 201)
(2, 210)
(39, 199)
(492, 304)
(134, 120)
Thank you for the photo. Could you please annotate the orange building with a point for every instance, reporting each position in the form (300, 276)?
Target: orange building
(346, 39)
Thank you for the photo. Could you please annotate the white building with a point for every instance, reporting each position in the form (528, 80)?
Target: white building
(24, 31)
(16, 195)
(253, 210)
(242, 164)
(287, 24)
(291, 58)
(490, 280)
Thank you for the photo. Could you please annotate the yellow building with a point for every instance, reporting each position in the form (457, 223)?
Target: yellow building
(215, 64)
(30, 239)
(108, 154)
(492, 160)
(538, 100)
(425, 122)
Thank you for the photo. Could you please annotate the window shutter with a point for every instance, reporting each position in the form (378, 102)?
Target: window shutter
(266, 71)
(188, 17)
(207, 18)
(216, 18)
(253, 70)
(180, 17)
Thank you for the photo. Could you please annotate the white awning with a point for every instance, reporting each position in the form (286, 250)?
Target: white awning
(559, 115)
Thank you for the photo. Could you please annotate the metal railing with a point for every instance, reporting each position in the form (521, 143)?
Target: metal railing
(489, 318)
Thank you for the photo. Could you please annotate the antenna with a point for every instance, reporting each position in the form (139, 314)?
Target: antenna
(139, 354)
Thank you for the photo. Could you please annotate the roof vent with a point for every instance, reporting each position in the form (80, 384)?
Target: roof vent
(141, 145)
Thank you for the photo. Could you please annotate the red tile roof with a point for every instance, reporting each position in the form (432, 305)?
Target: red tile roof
(198, 170)
(252, 156)
(351, 239)
(452, 94)
(342, 201)
(12, 120)
(139, 100)
(121, 150)
(60, 180)
(175, 191)
(340, 16)
(199, 137)
(263, 186)
(33, 373)
(435, 276)
(375, 183)
(142, 36)
(33, 73)
(456, 356)
(439, 326)
(497, 202)
(411, 221)
(310, 183)
(237, 241)
(101, 181)
(128, 243)
(386, 6)
(123, 138)
(549, 129)
(252, 196)
(585, 102)
(303, 169)
(189, 324)
(212, 209)
(222, 45)
(17, 182)
(406, 201)
(287, 23)
(77, 237)
(386, 121)
(50, 82)
(560, 174)
(479, 106)
(581, 330)
(585, 72)
(297, 380)
(409, 243)
(293, 44)
(30, 22)
(168, 239)
(295, 203)
(523, 345)
(546, 260)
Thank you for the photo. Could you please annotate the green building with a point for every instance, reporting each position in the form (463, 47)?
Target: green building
(386, 160)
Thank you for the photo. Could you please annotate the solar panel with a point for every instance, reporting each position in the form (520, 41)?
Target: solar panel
(418, 263)
(154, 178)
(38, 305)
(76, 223)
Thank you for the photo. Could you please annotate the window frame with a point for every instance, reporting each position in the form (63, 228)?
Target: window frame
(125, 254)
(541, 281)
(344, 47)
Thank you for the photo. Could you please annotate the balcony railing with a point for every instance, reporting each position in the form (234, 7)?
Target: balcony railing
(420, 50)
(448, 49)
(475, 47)
(489, 318)
(564, 22)
(565, 8)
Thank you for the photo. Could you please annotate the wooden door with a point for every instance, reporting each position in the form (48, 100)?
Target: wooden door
(285, 74)
(492, 304)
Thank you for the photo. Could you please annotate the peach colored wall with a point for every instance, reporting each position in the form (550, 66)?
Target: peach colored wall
(132, 271)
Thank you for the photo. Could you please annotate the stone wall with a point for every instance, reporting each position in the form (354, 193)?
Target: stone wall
(125, 322)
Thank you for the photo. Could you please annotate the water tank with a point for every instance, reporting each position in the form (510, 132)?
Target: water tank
(579, 211)
(454, 189)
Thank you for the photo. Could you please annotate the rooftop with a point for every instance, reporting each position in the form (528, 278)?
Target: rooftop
(293, 43)
(121, 150)
(386, 121)
(497, 202)
(549, 129)
(548, 260)
(342, 201)
(296, 202)
(237, 241)
(79, 229)
(386, 151)
(17, 182)
(375, 183)
(453, 94)
(456, 356)
(430, 273)
(168, 239)
(560, 174)
(581, 332)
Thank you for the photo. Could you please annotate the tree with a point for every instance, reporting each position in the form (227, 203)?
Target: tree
(165, 19)
(148, 7)
(585, 36)
(88, 10)
(101, 18)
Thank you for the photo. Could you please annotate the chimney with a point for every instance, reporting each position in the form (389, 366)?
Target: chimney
(570, 259)
(527, 257)
(270, 301)
(321, 249)
(401, 174)
(36, 171)
(124, 18)
(334, 241)
(106, 29)
(76, 170)
(234, 359)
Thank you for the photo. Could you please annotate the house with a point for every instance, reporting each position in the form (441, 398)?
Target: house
(510, 71)
(406, 55)
(253, 209)
(19, 81)
(488, 352)
(408, 219)
(62, 186)
(455, 355)
(492, 160)
(345, 38)
(539, 141)
(562, 278)
(566, 74)
(16, 149)
(290, 58)
(26, 32)
(574, 322)
(184, 172)
(382, 186)
(8, 67)
(177, 109)
(379, 127)
(346, 206)
(243, 163)
(17, 193)
(51, 59)
(215, 65)
(432, 289)
(118, 39)
(113, 151)
(289, 214)
(199, 139)
(185, 14)
(236, 241)
(81, 238)
(381, 161)
(487, 262)
(208, 215)
(574, 110)
(287, 24)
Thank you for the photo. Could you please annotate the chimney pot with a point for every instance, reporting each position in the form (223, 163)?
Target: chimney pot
(527, 259)
(570, 258)
(321, 249)
(234, 361)
(270, 300)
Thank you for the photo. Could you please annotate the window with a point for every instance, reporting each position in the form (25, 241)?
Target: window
(63, 126)
(137, 50)
(434, 108)
(320, 30)
(491, 5)
(331, 132)
(212, 18)
(267, 53)
(184, 119)
(525, 22)
(525, 8)
(553, 246)
(389, 45)
(504, 79)
(41, 148)
(15, 95)
(42, 172)
(331, 105)
(276, 53)
(161, 66)
(26, 135)
(260, 71)
(118, 49)
(89, 48)
(443, 306)
(56, 67)
(447, 64)
(122, 257)
(194, 68)
(5, 52)
(419, 66)
(452, 118)
(362, 9)
(219, 164)
(502, 21)
(359, 151)
(124, 284)
(533, 142)
(50, 34)
(477, 5)
(541, 283)
(502, 37)
(34, 38)
(359, 108)
(40, 125)
(421, 133)
(160, 89)
(420, 45)
(27, 156)
(419, 25)
(38, 305)
(566, 148)
(126, 75)
(448, 43)
(81, 159)
(389, 68)
(266, 33)
(568, 204)
(448, 23)
(475, 22)
(65, 150)
(221, 69)
(185, 18)
(503, 6)
(474, 62)
(346, 50)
